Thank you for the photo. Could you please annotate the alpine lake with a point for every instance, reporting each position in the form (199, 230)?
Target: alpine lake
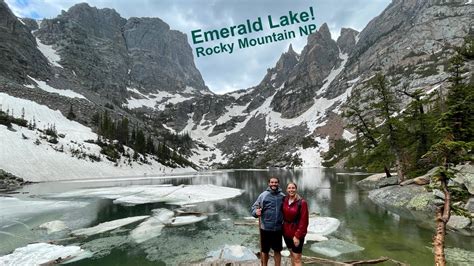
(329, 193)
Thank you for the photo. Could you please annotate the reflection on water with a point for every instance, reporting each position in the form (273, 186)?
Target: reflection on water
(380, 232)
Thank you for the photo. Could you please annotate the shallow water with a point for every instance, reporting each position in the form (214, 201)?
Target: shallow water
(379, 232)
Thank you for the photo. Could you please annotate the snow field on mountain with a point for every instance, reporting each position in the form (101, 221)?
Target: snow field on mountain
(42, 85)
(21, 156)
(155, 100)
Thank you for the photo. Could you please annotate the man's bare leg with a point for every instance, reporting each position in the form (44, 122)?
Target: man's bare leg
(264, 258)
(277, 257)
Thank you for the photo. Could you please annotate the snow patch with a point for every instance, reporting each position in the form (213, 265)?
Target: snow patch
(274, 75)
(42, 162)
(49, 52)
(333, 74)
(68, 93)
(155, 100)
(347, 135)
(190, 90)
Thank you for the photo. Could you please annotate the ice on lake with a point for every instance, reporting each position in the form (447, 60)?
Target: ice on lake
(39, 253)
(178, 195)
(108, 226)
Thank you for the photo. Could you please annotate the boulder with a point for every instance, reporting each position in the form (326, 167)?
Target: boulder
(377, 181)
(465, 176)
(232, 253)
(470, 205)
(421, 180)
(457, 256)
(460, 224)
(54, 227)
(424, 202)
(396, 197)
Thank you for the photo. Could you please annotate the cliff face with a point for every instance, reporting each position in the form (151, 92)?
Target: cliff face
(108, 53)
(19, 56)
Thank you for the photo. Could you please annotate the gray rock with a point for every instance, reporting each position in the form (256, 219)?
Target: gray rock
(457, 222)
(19, 56)
(377, 181)
(457, 256)
(470, 205)
(109, 53)
(438, 193)
(424, 202)
(347, 40)
(465, 176)
(397, 198)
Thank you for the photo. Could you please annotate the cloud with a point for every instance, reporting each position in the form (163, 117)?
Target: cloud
(243, 68)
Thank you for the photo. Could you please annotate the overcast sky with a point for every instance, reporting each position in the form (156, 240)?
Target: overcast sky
(243, 68)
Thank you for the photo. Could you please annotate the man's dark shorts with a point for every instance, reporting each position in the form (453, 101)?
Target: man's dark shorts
(271, 239)
(291, 246)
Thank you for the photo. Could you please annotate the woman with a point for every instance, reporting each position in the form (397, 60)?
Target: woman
(295, 222)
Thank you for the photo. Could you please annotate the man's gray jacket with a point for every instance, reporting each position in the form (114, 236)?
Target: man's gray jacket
(271, 203)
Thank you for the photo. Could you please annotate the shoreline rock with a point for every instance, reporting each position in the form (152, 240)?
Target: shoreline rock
(377, 181)
(10, 182)
(413, 199)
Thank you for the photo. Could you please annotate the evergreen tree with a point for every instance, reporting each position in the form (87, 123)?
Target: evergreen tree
(140, 144)
(456, 126)
(70, 114)
(361, 118)
(387, 111)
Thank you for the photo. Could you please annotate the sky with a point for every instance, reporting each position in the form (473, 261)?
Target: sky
(244, 67)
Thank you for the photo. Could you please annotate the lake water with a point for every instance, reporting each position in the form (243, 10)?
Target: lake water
(378, 231)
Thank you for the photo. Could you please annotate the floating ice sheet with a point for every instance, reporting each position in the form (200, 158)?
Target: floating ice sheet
(334, 247)
(13, 209)
(108, 226)
(38, 253)
(315, 237)
(179, 195)
(323, 225)
(152, 226)
(188, 219)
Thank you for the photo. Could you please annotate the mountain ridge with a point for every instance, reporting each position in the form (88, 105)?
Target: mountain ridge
(289, 119)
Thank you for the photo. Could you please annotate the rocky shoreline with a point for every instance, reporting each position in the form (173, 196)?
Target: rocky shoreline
(10, 182)
(417, 199)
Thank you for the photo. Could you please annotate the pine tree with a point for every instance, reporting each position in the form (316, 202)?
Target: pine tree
(456, 126)
(70, 114)
(387, 110)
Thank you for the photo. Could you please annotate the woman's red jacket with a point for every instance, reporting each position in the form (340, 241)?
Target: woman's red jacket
(295, 222)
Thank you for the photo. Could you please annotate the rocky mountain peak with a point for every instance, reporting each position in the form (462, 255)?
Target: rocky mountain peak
(324, 31)
(19, 56)
(290, 49)
(102, 23)
(108, 53)
(277, 75)
(347, 40)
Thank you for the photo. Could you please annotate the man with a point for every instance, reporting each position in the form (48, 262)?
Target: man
(268, 209)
